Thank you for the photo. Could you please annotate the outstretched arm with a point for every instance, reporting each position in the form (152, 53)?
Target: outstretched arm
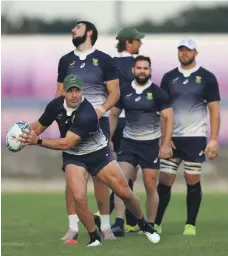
(31, 138)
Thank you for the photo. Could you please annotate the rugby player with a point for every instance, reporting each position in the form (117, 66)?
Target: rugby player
(129, 42)
(143, 102)
(85, 152)
(192, 89)
(100, 77)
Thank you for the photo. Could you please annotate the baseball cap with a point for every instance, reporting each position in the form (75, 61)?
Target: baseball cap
(72, 81)
(129, 33)
(188, 43)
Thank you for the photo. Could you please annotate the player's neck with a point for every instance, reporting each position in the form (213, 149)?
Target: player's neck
(188, 67)
(137, 85)
(84, 47)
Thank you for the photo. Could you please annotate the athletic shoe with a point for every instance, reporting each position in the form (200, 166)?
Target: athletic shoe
(189, 230)
(108, 234)
(71, 237)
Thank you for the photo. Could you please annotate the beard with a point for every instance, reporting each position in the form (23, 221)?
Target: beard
(187, 62)
(142, 81)
(77, 41)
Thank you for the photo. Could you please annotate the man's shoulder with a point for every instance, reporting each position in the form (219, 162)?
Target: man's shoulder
(56, 104)
(101, 55)
(205, 73)
(86, 111)
(127, 88)
(57, 101)
(171, 73)
(155, 88)
(67, 56)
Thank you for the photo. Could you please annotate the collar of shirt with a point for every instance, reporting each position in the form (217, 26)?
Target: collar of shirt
(69, 110)
(124, 54)
(187, 73)
(140, 89)
(84, 54)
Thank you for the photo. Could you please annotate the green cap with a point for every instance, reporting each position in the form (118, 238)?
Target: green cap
(129, 33)
(72, 81)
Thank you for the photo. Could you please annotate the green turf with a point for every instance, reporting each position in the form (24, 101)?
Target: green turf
(32, 225)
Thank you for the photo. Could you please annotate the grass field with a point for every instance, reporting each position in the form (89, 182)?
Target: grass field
(32, 225)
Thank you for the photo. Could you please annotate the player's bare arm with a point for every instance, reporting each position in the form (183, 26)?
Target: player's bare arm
(167, 132)
(113, 121)
(113, 97)
(59, 91)
(31, 138)
(37, 127)
(212, 146)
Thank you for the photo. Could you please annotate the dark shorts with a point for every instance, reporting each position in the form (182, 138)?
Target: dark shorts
(92, 162)
(143, 153)
(116, 139)
(104, 125)
(190, 149)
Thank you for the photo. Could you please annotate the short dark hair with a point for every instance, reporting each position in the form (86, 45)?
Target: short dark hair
(121, 45)
(142, 57)
(90, 26)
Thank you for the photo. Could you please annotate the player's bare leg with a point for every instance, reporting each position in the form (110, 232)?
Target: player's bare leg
(76, 179)
(72, 216)
(118, 227)
(131, 222)
(167, 176)
(152, 199)
(101, 192)
(114, 178)
(194, 195)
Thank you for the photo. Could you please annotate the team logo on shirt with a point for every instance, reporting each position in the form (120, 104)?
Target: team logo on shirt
(198, 79)
(149, 96)
(175, 80)
(185, 81)
(95, 62)
(72, 119)
(138, 98)
(71, 65)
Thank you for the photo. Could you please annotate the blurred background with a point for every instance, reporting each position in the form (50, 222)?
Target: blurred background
(35, 34)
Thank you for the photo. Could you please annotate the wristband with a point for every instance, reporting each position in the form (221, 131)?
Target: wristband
(39, 141)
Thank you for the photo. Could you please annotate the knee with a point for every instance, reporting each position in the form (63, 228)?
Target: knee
(150, 185)
(192, 172)
(80, 199)
(191, 179)
(124, 192)
(166, 179)
(168, 170)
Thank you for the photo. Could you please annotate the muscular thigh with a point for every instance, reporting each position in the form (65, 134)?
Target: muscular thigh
(76, 179)
(113, 177)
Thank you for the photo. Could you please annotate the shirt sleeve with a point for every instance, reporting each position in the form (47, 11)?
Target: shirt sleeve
(84, 125)
(48, 117)
(110, 69)
(162, 99)
(165, 83)
(211, 92)
(62, 70)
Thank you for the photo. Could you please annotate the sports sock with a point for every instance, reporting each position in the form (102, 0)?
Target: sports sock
(164, 193)
(105, 222)
(194, 196)
(130, 218)
(73, 222)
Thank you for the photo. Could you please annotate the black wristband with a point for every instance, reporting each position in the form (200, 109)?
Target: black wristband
(39, 141)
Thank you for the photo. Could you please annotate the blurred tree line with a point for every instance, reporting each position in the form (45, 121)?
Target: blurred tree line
(195, 20)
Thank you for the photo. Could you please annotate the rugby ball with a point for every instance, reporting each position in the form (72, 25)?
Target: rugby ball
(13, 136)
